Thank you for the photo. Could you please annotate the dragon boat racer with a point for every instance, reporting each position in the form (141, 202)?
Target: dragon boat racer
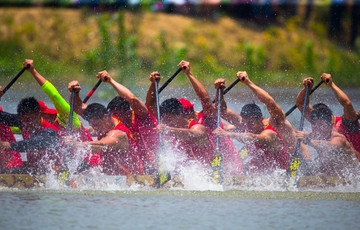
(60, 118)
(271, 140)
(348, 124)
(40, 138)
(208, 118)
(115, 142)
(135, 115)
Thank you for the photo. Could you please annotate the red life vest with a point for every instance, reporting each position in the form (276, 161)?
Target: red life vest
(8, 159)
(122, 163)
(232, 160)
(263, 161)
(354, 139)
(146, 138)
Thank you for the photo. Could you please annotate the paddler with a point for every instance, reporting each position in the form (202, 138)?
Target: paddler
(268, 143)
(60, 118)
(40, 138)
(347, 124)
(208, 118)
(134, 114)
(114, 142)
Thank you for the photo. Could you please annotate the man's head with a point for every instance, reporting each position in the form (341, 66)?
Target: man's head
(252, 118)
(119, 107)
(170, 111)
(98, 117)
(321, 118)
(29, 112)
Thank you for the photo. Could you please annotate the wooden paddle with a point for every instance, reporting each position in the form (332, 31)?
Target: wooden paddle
(217, 160)
(64, 173)
(162, 175)
(294, 107)
(14, 79)
(293, 175)
(169, 80)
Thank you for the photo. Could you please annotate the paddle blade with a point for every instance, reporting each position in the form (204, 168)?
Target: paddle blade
(293, 173)
(217, 174)
(163, 175)
(64, 176)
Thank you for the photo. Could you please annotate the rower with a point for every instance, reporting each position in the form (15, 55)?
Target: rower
(348, 124)
(336, 155)
(134, 114)
(208, 118)
(60, 118)
(40, 138)
(269, 141)
(114, 142)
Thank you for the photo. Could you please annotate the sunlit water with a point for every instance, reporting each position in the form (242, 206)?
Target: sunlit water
(201, 206)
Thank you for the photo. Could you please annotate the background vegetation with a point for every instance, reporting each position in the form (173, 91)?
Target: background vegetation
(71, 44)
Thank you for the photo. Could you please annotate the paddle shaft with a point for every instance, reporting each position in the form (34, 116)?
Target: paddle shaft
(302, 119)
(91, 91)
(218, 122)
(69, 127)
(15, 78)
(294, 107)
(230, 87)
(157, 107)
(169, 80)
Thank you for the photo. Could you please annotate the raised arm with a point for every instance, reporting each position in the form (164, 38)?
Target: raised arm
(300, 98)
(206, 102)
(226, 113)
(277, 115)
(349, 111)
(61, 106)
(150, 96)
(136, 104)
(79, 106)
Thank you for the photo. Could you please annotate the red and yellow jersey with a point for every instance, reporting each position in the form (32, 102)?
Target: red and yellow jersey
(122, 163)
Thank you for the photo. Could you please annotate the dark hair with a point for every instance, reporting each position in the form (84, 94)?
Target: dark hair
(251, 110)
(321, 112)
(320, 105)
(119, 104)
(28, 105)
(172, 106)
(94, 110)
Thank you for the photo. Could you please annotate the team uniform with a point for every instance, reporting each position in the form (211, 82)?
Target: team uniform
(232, 161)
(122, 163)
(146, 138)
(262, 161)
(8, 159)
(352, 137)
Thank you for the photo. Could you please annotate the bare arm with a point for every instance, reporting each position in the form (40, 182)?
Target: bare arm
(301, 96)
(136, 104)
(277, 115)
(150, 96)
(196, 133)
(115, 140)
(267, 137)
(349, 111)
(206, 102)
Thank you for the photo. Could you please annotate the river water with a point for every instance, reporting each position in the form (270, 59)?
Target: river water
(116, 208)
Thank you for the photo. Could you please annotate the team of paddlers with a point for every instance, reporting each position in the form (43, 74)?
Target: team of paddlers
(127, 132)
